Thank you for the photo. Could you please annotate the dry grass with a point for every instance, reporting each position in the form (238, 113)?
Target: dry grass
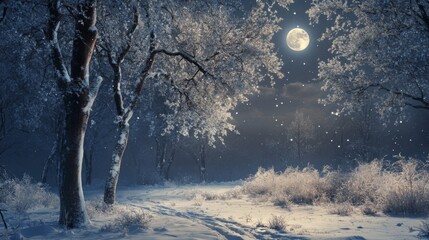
(398, 188)
(277, 223)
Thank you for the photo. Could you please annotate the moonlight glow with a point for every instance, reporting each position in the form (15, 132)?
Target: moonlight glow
(297, 39)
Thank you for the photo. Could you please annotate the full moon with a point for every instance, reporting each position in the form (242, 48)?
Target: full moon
(297, 39)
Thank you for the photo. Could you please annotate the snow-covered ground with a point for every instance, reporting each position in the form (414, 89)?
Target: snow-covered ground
(213, 211)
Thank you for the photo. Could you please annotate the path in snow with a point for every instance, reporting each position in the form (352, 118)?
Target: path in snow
(181, 212)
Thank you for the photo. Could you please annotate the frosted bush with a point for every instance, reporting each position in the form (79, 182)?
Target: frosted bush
(280, 200)
(262, 183)
(235, 193)
(399, 188)
(332, 184)
(277, 223)
(364, 183)
(369, 209)
(341, 209)
(23, 195)
(301, 187)
(406, 190)
(129, 219)
(210, 196)
(198, 199)
(99, 208)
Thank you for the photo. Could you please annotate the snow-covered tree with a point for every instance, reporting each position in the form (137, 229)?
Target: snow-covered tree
(201, 54)
(380, 52)
(165, 143)
(78, 92)
(210, 54)
(61, 34)
(301, 132)
(197, 148)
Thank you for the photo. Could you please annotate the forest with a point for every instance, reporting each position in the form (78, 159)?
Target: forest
(216, 119)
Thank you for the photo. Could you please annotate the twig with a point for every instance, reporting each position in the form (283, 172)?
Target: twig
(2, 217)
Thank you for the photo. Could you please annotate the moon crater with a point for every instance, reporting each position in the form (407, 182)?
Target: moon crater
(297, 39)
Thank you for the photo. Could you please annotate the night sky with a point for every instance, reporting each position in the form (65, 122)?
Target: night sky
(298, 90)
(267, 115)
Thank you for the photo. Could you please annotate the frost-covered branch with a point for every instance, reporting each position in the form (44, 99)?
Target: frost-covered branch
(380, 51)
(187, 57)
(52, 36)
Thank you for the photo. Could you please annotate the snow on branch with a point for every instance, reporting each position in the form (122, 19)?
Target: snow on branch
(93, 92)
(52, 36)
(187, 57)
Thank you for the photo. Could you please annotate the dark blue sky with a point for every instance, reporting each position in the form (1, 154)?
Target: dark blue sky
(273, 109)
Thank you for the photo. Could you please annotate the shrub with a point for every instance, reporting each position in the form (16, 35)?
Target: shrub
(98, 208)
(301, 187)
(399, 188)
(280, 200)
(364, 183)
(23, 195)
(406, 189)
(127, 220)
(333, 185)
(277, 223)
(369, 209)
(262, 183)
(260, 224)
(297, 186)
(341, 209)
(235, 193)
(210, 196)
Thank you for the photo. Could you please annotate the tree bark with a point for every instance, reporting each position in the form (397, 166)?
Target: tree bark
(124, 114)
(112, 179)
(88, 164)
(78, 97)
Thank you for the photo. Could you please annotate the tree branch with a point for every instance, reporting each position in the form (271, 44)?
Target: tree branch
(52, 36)
(145, 73)
(422, 100)
(424, 14)
(187, 57)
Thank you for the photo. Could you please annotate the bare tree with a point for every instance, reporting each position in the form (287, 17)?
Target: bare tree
(300, 132)
(57, 128)
(165, 154)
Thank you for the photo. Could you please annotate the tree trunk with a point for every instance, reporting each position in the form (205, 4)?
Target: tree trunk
(165, 153)
(49, 162)
(78, 97)
(161, 149)
(203, 162)
(88, 164)
(169, 162)
(73, 213)
(58, 128)
(115, 167)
